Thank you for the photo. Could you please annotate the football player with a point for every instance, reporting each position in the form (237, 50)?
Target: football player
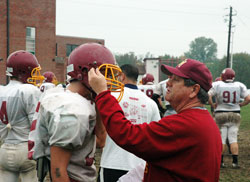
(50, 81)
(18, 100)
(228, 94)
(147, 86)
(66, 126)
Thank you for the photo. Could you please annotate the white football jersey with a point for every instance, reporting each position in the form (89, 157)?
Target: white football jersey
(149, 90)
(138, 108)
(67, 120)
(228, 95)
(161, 89)
(17, 104)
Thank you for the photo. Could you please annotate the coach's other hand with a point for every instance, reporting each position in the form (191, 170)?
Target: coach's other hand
(97, 81)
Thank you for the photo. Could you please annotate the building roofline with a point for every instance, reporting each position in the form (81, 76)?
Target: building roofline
(145, 59)
(66, 36)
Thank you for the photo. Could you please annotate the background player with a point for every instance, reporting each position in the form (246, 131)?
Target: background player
(50, 81)
(227, 110)
(161, 91)
(18, 102)
(147, 86)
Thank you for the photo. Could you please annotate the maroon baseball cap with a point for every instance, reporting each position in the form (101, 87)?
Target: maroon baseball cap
(192, 69)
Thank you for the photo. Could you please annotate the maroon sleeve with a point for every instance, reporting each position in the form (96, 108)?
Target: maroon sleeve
(148, 141)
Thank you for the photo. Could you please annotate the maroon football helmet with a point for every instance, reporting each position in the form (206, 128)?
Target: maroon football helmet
(228, 75)
(50, 77)
(93, 55)
(217, 79)
(147, 78)
(24, 66)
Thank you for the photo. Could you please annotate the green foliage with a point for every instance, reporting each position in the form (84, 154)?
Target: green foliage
(202, 49)
(241, 66)
(166, 56)
(215, 68)
(127, 58)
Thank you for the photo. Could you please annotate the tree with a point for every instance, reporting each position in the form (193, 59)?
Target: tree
(127, 58)
(216, 67)
(241, 66)
(202, 49)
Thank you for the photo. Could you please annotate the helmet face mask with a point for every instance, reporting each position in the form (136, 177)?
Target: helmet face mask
(92, 55)
(111, 74)
(36, 77)
(23, 66)
(228, 75)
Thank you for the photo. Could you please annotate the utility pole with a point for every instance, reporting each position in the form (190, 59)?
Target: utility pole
(229, 36)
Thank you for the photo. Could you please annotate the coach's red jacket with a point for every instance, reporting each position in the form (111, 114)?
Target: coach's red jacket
(182, 147)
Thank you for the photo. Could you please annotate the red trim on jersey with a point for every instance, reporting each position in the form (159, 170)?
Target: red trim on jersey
(38, 106)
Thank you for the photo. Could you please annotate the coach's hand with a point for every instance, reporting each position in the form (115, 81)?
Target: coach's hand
(97, 81)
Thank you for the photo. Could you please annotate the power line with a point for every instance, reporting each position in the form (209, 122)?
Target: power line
(243, 23)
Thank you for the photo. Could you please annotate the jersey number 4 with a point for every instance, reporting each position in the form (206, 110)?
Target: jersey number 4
(3, 113)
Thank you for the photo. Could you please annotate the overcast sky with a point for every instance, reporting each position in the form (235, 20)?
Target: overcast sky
(156, 26)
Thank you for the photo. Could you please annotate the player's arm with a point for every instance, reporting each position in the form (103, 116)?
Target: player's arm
(100, 131)
(59, 162)
(246, 101)
(210, 101)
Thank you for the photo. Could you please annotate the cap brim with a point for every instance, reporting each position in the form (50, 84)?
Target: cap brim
(169, 70)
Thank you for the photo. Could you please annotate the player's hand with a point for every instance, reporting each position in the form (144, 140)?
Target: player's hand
(97, 81)
(214, 105)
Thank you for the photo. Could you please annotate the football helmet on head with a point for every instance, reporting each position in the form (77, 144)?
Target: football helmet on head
(228, 75)
(24, 66)
(217, 79)
(147, 78)
(50, 77)
(93, 55)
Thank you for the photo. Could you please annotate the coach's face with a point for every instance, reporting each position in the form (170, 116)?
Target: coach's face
(177, 93)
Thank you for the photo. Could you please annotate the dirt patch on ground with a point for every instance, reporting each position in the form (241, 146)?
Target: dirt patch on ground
(243, 174)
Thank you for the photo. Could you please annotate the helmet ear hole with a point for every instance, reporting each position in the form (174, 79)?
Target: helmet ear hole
(84, 70)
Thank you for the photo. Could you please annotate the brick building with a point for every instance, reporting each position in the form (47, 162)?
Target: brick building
(30, 25)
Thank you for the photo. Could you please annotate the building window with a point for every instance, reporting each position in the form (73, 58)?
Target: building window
(31, 39)
(70, 48)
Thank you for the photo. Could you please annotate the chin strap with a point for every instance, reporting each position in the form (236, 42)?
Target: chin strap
(93, 94)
